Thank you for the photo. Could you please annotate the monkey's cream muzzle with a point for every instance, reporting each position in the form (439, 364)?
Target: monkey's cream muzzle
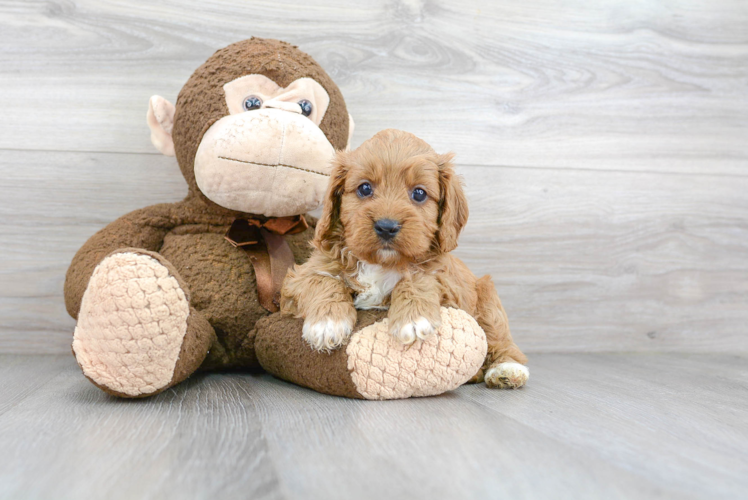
(266, 161)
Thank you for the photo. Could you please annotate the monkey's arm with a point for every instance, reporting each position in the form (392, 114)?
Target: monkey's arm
(144, 229)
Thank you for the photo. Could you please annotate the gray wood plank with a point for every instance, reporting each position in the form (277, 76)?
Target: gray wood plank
(611, 86)
(444, 447)
(678, 420)
(613, 261)
(69, 440)
(583, 260)
(587, 426)
(52, 203)
(20, 376)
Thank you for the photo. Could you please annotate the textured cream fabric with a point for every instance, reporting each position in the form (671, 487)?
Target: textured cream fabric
(266, 161)
(274, 96)
(383, 368)
(131, 325)
(160, 118)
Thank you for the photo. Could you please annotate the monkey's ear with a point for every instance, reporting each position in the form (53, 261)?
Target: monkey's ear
(351, 126)
(330, 219)
(453, 206)
(161, 120)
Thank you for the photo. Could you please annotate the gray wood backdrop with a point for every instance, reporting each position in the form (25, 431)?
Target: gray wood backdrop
(604, 146)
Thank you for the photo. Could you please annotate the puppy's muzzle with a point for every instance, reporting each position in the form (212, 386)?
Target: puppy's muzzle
(387, 229)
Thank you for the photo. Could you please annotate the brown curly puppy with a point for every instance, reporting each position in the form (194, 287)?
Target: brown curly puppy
(392, 213)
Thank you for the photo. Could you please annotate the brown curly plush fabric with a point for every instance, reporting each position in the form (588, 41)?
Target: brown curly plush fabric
(283, 352)
(160, 293)
(201, 101)
(218, 277)
(189, 235)
(373, 364)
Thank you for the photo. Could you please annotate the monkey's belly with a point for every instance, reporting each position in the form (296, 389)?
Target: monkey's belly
(221, 282)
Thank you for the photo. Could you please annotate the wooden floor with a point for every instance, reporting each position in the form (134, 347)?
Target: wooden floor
(604, 149)
(603, 145)
(599, 426)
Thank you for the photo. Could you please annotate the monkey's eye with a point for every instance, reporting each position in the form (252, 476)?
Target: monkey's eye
(419, 195)
(252, 102)
(306, 107)
(364, 190)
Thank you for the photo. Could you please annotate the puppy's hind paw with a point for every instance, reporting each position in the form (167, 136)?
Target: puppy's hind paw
(326, 334)
(507, 375)
(420, 328)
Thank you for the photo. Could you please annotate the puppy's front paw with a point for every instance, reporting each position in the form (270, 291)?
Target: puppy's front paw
(327, 334)
(507, 375)
(407, 332)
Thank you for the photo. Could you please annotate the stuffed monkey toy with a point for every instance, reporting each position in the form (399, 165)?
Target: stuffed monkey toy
(174, 288)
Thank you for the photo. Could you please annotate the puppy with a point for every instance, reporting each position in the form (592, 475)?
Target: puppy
(392, 213)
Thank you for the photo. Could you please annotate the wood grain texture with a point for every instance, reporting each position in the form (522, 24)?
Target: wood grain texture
(603, 146)
(626, 85)
(583, 260)
(202, 441)
(647, 414)
(21, 376)
(606, 261)
(587, 426)
(52, 203)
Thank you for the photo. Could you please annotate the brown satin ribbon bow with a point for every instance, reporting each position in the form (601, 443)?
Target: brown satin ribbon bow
(268, 251)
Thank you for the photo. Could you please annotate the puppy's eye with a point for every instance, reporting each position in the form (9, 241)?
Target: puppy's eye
(252, 102)
(364, 190)
(306, 107)
(419, 195)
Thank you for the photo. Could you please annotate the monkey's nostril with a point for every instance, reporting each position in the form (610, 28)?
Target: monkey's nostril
(386, 228)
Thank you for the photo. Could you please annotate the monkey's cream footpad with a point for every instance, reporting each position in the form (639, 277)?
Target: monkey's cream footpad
(131, 325)
(374, 365)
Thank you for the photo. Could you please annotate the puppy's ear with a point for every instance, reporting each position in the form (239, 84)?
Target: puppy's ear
(453, 206)
(330, 219)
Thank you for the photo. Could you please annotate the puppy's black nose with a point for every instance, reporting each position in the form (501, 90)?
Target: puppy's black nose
(386, 228)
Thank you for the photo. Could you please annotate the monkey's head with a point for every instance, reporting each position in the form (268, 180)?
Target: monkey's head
(254, 129)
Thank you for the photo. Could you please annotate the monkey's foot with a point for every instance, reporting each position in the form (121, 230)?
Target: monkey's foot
(508, 375)
(132, 325)
(373, 364)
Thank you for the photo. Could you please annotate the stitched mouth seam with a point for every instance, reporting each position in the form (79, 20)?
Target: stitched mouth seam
(270, 165)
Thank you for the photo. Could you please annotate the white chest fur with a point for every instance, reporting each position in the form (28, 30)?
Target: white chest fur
(376, 283)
